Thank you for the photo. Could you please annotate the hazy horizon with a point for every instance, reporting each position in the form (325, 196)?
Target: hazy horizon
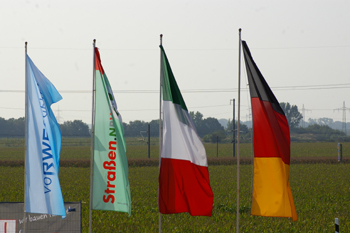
(301, 47)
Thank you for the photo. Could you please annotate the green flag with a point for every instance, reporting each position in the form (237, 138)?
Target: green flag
(111, 190)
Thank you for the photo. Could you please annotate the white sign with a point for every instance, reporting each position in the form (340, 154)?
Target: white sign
(7, 226)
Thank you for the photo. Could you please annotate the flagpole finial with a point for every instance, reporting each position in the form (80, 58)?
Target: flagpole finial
(240, 29)
(161, 35)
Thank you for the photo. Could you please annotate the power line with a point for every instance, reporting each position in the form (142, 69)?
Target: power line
(211, 106)
(189, 49)
(12, 108)
(284, 88)
(124, 110)
(305, 47)
(132, 91)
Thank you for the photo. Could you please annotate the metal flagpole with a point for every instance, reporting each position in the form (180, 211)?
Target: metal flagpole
(92, 135)
(238, 124)
(25, 135)
(160, 122)
(233, 129)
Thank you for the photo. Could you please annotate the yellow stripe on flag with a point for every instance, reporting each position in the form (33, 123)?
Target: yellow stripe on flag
(272, 195)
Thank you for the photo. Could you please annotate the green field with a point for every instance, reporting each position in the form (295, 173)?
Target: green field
(79, 148)
(321, 191)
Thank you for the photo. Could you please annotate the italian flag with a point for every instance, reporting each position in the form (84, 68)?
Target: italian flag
(184, 178)
(272, 195)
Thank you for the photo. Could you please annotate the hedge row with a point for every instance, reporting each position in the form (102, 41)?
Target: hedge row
(211, 161)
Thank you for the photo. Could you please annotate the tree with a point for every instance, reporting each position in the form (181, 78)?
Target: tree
(12, 127)
(325, 121)
(197, 119)
(312, 121)
(154, 128)
(243, 128)
(208, 126)
(292, 114)
(245, 132)
(76, 128)
(216, 136)
(134, 127)
(205, 126)
(322, 129)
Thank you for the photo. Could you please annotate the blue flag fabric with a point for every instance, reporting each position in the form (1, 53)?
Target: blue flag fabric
(43, 146)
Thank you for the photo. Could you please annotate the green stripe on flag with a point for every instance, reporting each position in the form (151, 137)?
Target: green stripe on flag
(170, 89)
(183, 116)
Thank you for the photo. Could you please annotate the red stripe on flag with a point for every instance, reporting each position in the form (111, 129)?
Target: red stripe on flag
(98, 64)
(184, 187)
(270, 131)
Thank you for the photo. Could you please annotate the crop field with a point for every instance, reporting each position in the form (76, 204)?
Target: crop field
(321, 191)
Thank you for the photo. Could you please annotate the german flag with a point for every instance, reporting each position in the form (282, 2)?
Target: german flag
(272, 195)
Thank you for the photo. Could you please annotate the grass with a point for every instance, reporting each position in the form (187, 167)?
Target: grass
(320, 191)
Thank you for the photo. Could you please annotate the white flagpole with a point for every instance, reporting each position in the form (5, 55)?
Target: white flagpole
(160, 123)
(238, 124)
(92, 135)
(25, 136)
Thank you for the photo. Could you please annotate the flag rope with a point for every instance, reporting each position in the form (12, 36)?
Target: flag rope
(92, 135)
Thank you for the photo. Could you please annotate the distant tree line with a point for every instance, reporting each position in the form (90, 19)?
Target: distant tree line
(12, 127)
(245, 132)
(316, 130)
(204, 126)
(138, 128)
(209, 129)
(16, 128)
(327, 121)
(76, 128)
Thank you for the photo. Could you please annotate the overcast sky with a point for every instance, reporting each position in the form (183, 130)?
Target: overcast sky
(301, 47)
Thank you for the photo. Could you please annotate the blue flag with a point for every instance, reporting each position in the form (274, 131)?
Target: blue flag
(43, 146)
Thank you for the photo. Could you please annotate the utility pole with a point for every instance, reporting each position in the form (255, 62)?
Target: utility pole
(303, 110)
(58, 117)
(233, 129)
(344, 116)
(149, 140)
